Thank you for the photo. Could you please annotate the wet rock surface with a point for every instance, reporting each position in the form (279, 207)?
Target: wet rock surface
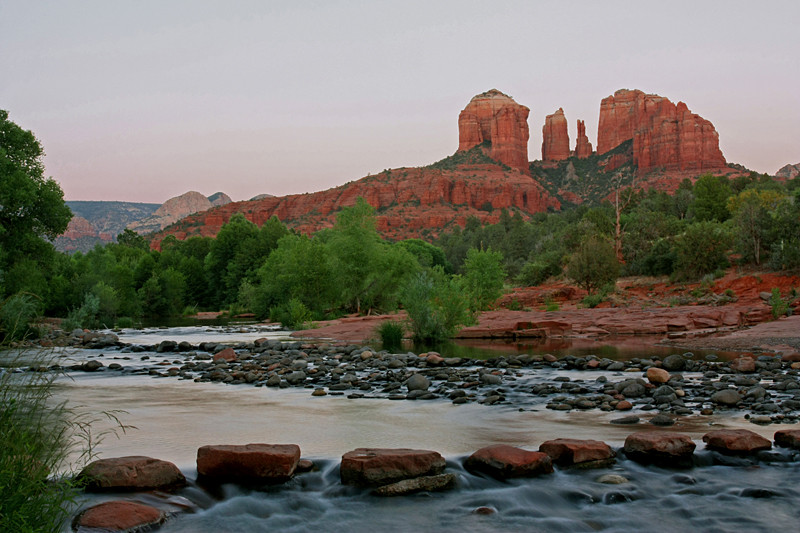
(369, 467)
(762, 386)
(503, 462)
(131, 473)
(270, 463)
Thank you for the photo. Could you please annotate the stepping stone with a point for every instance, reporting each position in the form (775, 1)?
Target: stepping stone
(271, 463)
(370, 467)
(502, 462)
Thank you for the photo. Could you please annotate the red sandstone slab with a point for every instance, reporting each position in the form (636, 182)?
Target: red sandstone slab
(788, 438)
(131, 473)
(248, 462)
(502, 461)
(660, 447)
(119, 515)
(382, 466)
(569, 452)
(740, 441)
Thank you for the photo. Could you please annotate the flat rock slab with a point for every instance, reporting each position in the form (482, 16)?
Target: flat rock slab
(575, 452)
(248, 463)
(418, 484)
(788, 438)
(660, 447)
(370, 467)
(133, 472)
(737, 441)
(502, 461)
(118, 515)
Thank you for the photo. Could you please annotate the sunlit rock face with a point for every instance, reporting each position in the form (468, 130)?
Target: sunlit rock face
(665, 135)
(496, 118)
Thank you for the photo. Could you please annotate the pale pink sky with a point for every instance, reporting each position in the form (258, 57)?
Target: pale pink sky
(142, 101)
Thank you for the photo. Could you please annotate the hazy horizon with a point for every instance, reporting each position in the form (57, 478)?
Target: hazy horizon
(144, 101)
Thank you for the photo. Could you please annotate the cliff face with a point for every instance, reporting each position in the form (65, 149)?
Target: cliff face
(583, 148)
(788, 171)
(498, 119)
(555, 143)
(665, 135)
(410, 202)
(177, 208)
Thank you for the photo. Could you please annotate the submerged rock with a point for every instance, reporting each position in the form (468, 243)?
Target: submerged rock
(118, 515)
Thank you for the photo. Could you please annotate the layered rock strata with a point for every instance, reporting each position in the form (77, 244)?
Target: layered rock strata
(583, 148)
(555, 137)
(496, 118)
(665, 135)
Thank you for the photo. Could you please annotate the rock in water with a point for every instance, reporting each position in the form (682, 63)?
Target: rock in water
(131, 473)
(503, 462)
(736, 441)
(248, 463)
(372, 467)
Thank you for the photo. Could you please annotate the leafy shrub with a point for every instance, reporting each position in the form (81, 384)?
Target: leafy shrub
(701, 250)
(16, 315)
(391, 334)
(594, 264)
(778, 304)
(435, 305)
(85, 316)
(292, 315)
(483, 278)
(540, 269)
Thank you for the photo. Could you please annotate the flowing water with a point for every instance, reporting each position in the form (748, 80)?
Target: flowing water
(174, 417)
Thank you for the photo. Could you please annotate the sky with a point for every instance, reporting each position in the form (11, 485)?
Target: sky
(142, 101)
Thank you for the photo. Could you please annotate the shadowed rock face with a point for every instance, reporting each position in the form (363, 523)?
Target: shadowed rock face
(496, 118)
(555, 137)
(665, 135)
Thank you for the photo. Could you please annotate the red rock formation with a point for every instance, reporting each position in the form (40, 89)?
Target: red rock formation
(555, 143)
(583, 148)
(664, 135)
(176, 208)
(495, 117)
(411, 202)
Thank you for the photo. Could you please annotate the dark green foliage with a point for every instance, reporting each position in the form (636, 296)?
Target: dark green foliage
(539, 269)
(710, 199)
(435, 306)
(132, 239)
(483, 278)
(391, 334)
(17, 314)
(701, 250)
(428, 255)
(594, 264)
(474, 156)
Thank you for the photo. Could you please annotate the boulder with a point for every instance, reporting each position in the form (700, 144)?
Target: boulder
(555, 144)
(418, 382)
(418, 484)
(227, 355)
(657, 375)
(659, 447)
(495, 117)
(743, 364)
(575, 452)
(673, 362)
(131, 473)
(788, 438)
(737, 441)
(370, 467)
(118, 515)
(728, 397)
(502, 461)
(271, 463)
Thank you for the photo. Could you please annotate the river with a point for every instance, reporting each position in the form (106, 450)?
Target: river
(173, 417)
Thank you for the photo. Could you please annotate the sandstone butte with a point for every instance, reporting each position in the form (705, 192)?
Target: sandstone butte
(583, 148)
(177, 208)
(665, 135)
(555, 138)
(495, 117)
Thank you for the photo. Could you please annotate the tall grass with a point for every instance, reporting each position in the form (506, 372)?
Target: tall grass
(41, 439)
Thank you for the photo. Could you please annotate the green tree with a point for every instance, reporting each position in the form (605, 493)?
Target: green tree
(32, 207)
(701, 249)
(435, 305)
(132, 239)
(594, 264)
(710, 198)
(483, 278)
(752, 211)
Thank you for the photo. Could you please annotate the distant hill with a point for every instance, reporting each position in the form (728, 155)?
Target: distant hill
(99, 222)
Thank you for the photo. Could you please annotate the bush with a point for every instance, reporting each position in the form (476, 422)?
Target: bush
(85, 316)
(292, 315)
(435, 305)
(540, 269)
(594, 264)
(391, 334)
(779, 306)
(16, 315)
(124, 322)
(37, 439)
(483, 278)
(701, 250)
